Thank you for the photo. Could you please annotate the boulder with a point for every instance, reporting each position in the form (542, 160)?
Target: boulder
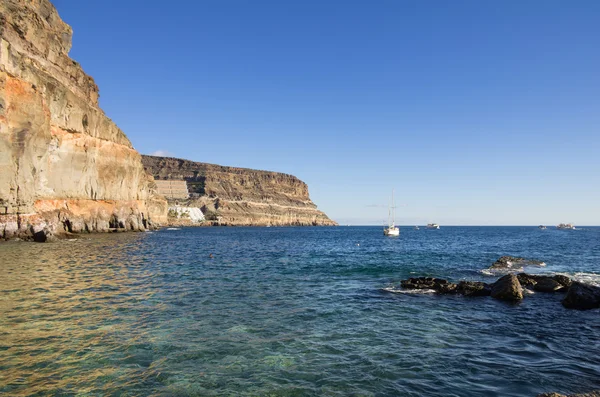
(507, 288)
(548, 285)
(582, 297)
(473, 288)
(544, 283)
(509, 262)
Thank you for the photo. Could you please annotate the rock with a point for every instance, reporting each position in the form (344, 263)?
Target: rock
(474, 288)
(548, 285)
(527, 280)
(543, 283)
(509, 262)
(438, 284)
(507, 288)
(563, 280)
(448, 288)
(582, 297)
(595, 393)
(62, 159)
(240, 196)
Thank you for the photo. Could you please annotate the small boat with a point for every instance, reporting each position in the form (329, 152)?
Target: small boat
(433, 226)
(416, 227)
(392, 229)
(567, 226)
(542, 227)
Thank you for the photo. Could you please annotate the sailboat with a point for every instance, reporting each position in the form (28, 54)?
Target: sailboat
(392, 229)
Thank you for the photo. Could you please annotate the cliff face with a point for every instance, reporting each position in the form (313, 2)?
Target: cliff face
(64, 166)
(239, 196)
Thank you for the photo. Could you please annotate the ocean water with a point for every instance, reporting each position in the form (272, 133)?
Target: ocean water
(291, 312)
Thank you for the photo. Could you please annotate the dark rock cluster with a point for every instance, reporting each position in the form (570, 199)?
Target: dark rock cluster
(510, 288)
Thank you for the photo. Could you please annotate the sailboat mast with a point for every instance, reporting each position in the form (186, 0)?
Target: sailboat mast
(393, 208)
(389, 213)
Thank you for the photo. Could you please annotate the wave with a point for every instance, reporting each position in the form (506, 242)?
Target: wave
(508, 270)
(582, 277)
(173, 228)
(586, 278)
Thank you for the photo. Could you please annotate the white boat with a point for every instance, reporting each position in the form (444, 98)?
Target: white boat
(542, 227)
(569, 226)
(433, 226)
(392, 229)
(416, 227)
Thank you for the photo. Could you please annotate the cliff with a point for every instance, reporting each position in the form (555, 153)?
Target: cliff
(64, 165)
(240, 196)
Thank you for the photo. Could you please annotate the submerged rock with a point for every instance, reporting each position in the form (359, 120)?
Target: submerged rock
(507, 288)
(582, 297)
(509, 262)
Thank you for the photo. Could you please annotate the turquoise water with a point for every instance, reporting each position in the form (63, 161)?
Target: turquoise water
(290, 312)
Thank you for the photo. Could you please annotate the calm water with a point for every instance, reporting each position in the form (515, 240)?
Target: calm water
(290, 312)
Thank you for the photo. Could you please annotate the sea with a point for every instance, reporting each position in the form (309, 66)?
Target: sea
(292, 311)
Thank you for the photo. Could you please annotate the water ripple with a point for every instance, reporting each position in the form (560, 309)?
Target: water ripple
(289, 312)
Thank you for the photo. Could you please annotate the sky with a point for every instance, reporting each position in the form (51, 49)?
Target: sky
(475, 112)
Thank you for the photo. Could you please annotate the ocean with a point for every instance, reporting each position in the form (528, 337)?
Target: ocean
(291, 312)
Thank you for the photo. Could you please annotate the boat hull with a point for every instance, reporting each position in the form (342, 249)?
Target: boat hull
(391, 231)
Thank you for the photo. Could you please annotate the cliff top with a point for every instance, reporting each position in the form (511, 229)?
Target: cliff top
(183, 164)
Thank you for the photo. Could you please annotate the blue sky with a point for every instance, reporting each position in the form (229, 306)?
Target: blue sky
(476, 112)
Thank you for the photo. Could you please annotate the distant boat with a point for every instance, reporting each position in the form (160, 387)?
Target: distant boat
(568, 226)
(416, 227)
(392, 229)
(542, 227)
(433, 226)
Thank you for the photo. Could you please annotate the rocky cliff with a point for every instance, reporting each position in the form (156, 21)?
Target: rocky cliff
(64, 166)
(240, 196)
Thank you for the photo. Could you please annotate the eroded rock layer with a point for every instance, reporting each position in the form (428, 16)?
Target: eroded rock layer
(240, 196)
(64, 165)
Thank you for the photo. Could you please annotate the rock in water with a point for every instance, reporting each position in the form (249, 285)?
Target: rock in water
(474, 288)
(510, 262)
(548, 285)
(438, 284)
(582, 297)
(544, 283)
(595, 393)
(507, 288)
(564, 280)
